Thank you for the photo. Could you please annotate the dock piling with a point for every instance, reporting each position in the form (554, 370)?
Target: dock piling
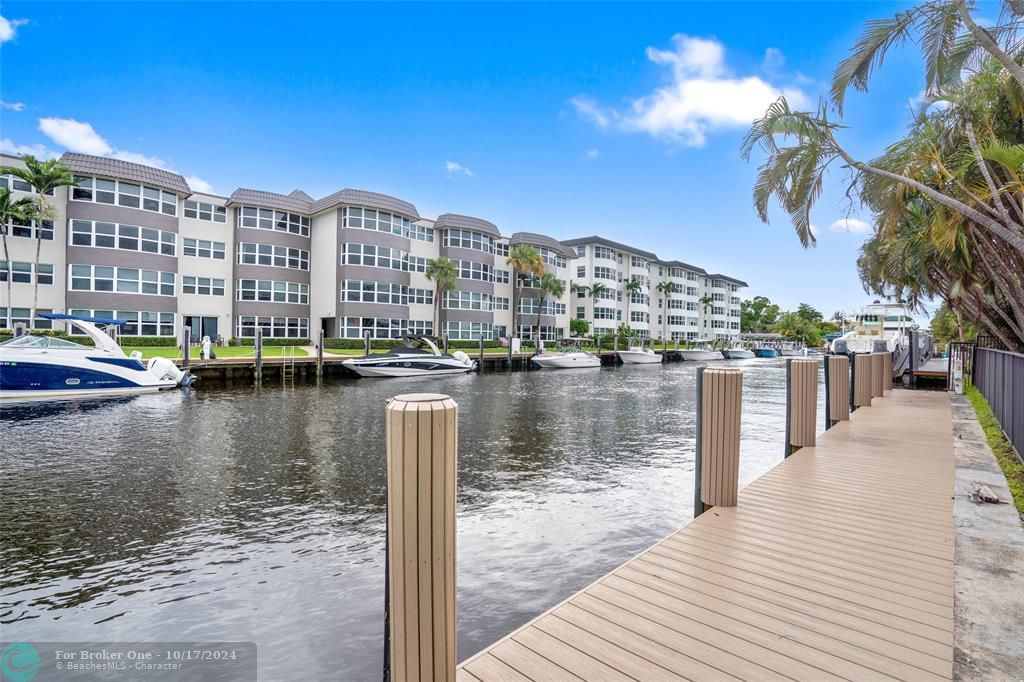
(422, 448)
(886, 372)
(862, 381)
(186, 342)
(366, 344)
(320, 355)
(801, 403)
(259, 354)
(877, 375)
(444, 341)
(19, 329)
(717, 456)
(480, 364)
(837, 388)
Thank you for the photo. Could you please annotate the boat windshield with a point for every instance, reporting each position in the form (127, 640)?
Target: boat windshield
(32, 341)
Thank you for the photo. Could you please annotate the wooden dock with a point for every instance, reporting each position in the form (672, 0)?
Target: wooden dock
(836, 564)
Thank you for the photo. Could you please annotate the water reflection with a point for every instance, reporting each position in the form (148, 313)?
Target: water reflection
(247, 515)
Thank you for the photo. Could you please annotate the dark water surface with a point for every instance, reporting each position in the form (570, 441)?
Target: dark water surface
(245, 515)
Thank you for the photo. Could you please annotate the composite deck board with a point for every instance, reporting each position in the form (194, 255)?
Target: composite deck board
(836, 564)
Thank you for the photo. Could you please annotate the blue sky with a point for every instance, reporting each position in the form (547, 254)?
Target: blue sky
(567, 119)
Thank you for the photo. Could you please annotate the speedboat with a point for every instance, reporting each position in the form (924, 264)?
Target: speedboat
(571, 355)
(766, 352)
(418, 356)
(637, 354)
(737, 353)
(701, 354)
(40, 367)
(789, 350)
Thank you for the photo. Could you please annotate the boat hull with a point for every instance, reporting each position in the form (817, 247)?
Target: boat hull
(790, 353)
(700, 355)
(405, 368)
(638, 357)
(567, 361)
(766, 353)
(41, 376)
(738, 354)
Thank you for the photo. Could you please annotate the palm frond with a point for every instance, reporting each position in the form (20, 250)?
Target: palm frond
(879, 36)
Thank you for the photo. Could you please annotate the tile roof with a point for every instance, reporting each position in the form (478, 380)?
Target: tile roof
(446, 220)
(681, 264)
(282, 202)
(534, 239)
(358, 197)
(125, 170)
(299, 194)
(609, 243)
(727, 278)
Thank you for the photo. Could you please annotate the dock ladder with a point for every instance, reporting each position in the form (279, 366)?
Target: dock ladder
(288, 365)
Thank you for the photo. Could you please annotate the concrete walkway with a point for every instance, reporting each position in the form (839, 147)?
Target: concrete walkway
(989, 565)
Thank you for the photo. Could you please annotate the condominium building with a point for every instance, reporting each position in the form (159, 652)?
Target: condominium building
(698, 306)
(136, 243)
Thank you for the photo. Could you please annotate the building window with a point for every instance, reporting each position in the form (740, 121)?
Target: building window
(638, 262)
(468, 331)
(273, 327)
(17, 184)
(27, 228)
(20, 272)
(604, 273)
(203, 248)
(102, 278)
(202, 286)
(639, 316)
(581, 313)
(581, 271)
(421, 233)
(468, 269)
(369, 219)
(528, 306)
(252, 217)
(121, 193)
(467, 300)
(382, 327)
(467, 239)
(272, 255)
(136, 323)
(691, 291)
(500, 303)
(103, 235)
(269, 290)
(500, 276)
(500, 248)
(547, 332)
(203, 211)
(604, 313)
(360, 291)
(604, 252)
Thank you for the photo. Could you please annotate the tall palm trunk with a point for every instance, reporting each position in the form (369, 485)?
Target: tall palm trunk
(536, 338)
(437, 309)
(40, 211)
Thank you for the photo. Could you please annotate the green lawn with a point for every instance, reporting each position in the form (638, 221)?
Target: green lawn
(225, 352)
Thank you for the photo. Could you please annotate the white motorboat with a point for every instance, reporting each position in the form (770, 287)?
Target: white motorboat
(419, 356)
(737, 353)
(34, 367)
(571, 355)
(701, 354)
(637, 354)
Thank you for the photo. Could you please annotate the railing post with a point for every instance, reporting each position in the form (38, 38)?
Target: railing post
(801, 403)
(186, 346)
(320, 354)
(422, 436)
(877, 372)
(837, 389)
(259, 354)
(717, 455)
(862, 381)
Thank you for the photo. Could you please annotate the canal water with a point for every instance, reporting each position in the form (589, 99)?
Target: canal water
(259, 515)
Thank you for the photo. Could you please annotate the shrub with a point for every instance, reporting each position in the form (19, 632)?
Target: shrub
(275, 342)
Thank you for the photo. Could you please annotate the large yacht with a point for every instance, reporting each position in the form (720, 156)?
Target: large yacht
(418, 356)
(36, 367)
(890, 322)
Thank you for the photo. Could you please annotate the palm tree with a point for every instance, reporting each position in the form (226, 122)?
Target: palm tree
(665, 288)
(706, 302)
(44, 177)
(524, 260)
(633, 286)
(597, 289)
(442, 273)
(549, 287)
(21, 210)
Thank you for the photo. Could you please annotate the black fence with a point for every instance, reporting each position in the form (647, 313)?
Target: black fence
(999, 375)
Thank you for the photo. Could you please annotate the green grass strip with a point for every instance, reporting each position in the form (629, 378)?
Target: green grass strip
(1012, 467)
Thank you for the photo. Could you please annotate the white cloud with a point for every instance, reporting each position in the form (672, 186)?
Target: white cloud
(36, 150)
(592, 154)
(773, 61)
(13, 106)
(74, 135)
(199, 185)
(456, 168)
(9, 28)
(703, 96)
(851, 225)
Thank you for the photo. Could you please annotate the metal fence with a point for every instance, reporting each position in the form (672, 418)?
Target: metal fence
(999, 375)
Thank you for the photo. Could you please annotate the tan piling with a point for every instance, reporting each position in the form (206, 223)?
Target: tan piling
(721, 400)
(886, 372)
(422, 445)
(877, 374)
(839, 388)
(803, 402)
(862, 380)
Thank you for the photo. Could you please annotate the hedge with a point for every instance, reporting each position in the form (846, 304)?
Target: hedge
(353, 344)
(270, 342)
(162, 341)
